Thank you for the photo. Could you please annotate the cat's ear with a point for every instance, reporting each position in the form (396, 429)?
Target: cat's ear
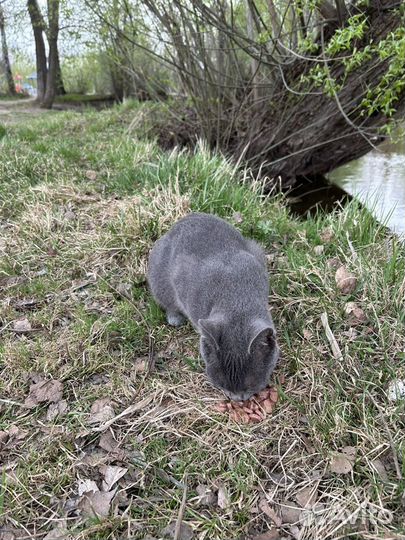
(211, 329)
(264, 336)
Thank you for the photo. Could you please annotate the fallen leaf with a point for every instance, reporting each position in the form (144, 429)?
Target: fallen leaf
(346, 281)
(206, 495)
(111, 475)
(3, 438)
(25, 304)
(271, 534)
(326, 235)
(350, 452)
(342, 462)
(306, 497)
(86, 486)
(124, 289)
(186, 532)
(334, 262)
(60, 532)
(56, 409)
(10, 533)
(91, 175)
(295, 532)
(290, 512)
(318, 250)
(96, 504)
(22, 325)
(49, 390)
(107, 442)
(379, 466)
(270, 512)
(141, 365)
(101, 411)
(357, 315)
(223, 498)
(237, 217)
(16, 434)
(307, 334)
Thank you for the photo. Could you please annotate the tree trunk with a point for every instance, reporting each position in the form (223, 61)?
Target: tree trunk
(53, 59)
(300, 134)
(6, 59)
(38, 27)
(60, 87)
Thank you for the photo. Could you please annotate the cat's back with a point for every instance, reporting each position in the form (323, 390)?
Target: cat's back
(203, 235)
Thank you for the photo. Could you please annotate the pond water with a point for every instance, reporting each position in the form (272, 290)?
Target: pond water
(378, 181)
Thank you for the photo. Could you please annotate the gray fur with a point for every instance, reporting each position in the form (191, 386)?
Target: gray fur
(204, 270)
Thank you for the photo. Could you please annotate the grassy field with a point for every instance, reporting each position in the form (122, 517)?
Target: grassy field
(121, 440)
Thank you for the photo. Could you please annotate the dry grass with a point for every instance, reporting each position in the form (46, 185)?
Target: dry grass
(73, 254)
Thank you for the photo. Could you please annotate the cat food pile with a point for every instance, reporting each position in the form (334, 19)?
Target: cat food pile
(253, 410)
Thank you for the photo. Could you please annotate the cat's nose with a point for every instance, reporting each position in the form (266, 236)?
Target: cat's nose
(239, 396)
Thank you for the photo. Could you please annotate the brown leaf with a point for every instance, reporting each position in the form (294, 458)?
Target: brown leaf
(290, 512)
(86, 485)
(111, 475)
(96, 504)
(334, 262)
(141, 365)
(3, 438)
(60, 532)
(307, 334)
(346, 281)
(357, 315)
(49, 390)
(306, 497)
(271, 534)
(10, 533)
(379, 466)
(326, 235)
(22, 325)
(107, 442)
(342, 462)
(186, 532)
(270, 512)
(91, 175)
(223, 498)
(56, 409)
(16, 434)
(25, 304)
(206, 495)
(101, 411)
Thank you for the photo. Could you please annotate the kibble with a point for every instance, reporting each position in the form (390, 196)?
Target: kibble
(254, 410)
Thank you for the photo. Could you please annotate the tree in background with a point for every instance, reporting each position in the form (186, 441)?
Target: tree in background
(49, 76)
(295, 86)
(38, 28)
(5, 58)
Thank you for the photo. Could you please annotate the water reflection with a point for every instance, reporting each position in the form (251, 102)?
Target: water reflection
(378, 181)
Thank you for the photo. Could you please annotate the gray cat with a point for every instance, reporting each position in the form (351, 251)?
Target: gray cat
(204, 270)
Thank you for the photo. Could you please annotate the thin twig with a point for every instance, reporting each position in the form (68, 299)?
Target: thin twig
(180, 515)
(129, 410)
(337, 353)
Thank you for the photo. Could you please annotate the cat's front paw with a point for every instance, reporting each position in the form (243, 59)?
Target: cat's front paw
(175, 319)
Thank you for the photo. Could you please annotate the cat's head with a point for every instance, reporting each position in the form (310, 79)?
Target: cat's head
(239, 359)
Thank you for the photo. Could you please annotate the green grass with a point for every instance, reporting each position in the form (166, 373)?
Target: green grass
(81, 98)
(82, 199)
(18, 97)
